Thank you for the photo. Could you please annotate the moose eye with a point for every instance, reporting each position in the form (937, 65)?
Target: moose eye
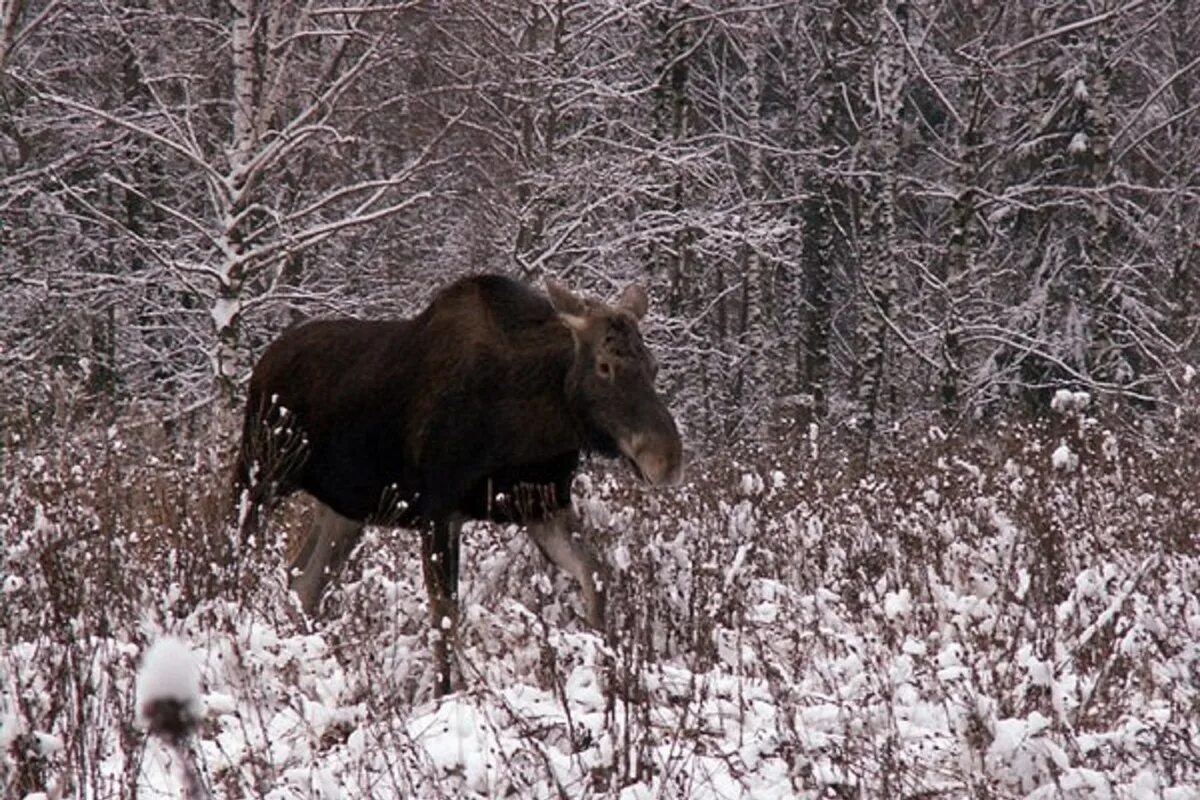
(604, 370)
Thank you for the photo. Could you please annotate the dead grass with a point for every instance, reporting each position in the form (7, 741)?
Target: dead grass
(769, 563)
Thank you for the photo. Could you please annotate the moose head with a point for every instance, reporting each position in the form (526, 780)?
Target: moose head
(610, 385)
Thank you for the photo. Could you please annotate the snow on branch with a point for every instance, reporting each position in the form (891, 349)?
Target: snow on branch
(168, 690)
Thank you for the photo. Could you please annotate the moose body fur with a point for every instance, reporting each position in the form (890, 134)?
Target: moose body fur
(478, 408)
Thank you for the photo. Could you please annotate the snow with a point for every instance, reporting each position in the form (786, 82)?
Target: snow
(1066, 401)
(897, 604)
(224, 310)
(1063, 459)
(760, 647)
(168, 672)
(12, 725)
(751, 484)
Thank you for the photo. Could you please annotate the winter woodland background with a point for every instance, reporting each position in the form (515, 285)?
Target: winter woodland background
(874, 210)
(925, 295)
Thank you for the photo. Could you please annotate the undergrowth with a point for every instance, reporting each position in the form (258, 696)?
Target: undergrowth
(1002, 615)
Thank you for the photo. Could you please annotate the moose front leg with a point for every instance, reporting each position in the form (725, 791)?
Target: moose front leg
(555, 536)
(439, 560)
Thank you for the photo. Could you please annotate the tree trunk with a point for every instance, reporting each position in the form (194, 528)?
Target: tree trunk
(880, 242)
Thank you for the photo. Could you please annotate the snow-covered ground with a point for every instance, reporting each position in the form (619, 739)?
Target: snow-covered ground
(1022, 624)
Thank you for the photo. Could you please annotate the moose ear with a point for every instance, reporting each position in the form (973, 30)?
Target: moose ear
(634, 300)
(570, 307)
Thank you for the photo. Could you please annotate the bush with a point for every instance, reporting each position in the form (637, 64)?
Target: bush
(996, 616)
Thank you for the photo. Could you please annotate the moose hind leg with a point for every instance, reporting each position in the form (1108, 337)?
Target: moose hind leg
(572, 554)
(439, 560)
(330, 540)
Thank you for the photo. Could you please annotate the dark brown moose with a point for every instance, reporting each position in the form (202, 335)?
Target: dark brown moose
(477, 408)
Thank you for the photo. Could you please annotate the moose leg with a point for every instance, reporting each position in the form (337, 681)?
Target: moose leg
(571, 553)
(326, 547)
(439, 558)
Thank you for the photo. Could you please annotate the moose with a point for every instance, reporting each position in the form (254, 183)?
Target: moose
(478, 408)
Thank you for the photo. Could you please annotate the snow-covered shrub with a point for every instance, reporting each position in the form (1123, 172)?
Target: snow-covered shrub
(963, 620)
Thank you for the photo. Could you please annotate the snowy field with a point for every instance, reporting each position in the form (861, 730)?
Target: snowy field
(1018, 617)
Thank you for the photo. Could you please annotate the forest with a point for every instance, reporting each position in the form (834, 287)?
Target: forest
(862, 213)
(924, 289)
